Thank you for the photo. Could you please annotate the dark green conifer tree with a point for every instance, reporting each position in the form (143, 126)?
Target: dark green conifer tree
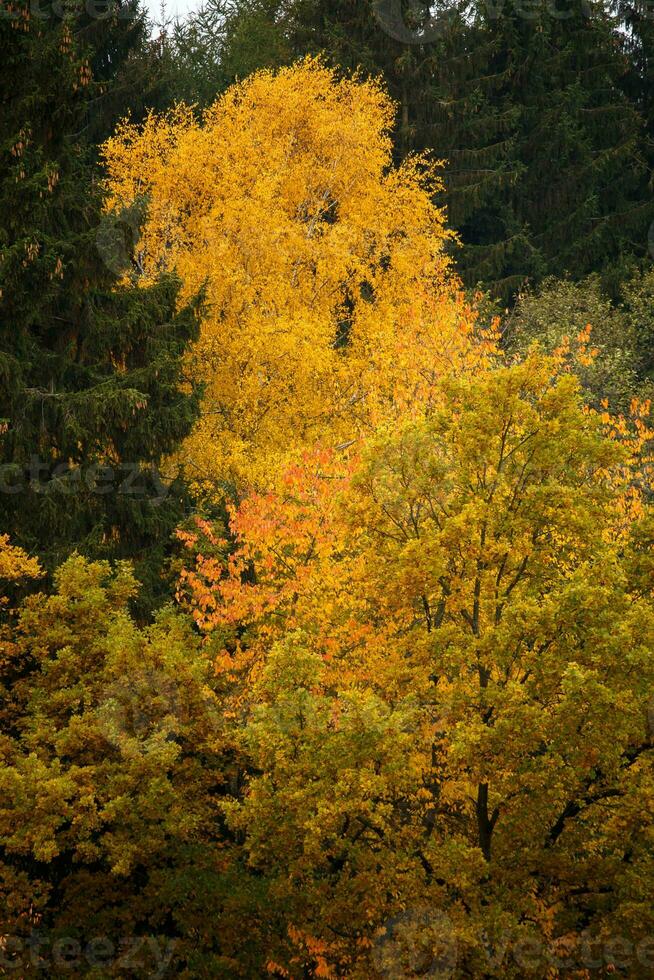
(546, 156)
(399, 40)
(547, 169)
(91, 389)
(637, 17)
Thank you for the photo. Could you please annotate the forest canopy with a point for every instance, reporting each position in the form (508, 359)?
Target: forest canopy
(326, 528)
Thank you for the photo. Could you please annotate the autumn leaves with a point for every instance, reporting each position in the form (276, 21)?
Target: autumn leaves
(330, 302)
(425, 627)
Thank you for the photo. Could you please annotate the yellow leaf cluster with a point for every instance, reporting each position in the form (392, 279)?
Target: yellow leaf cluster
(15, 564)
(330, 299)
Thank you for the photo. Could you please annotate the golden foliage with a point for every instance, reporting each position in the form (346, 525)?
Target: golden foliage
(15, 563)
(331, 303)
(421, 648)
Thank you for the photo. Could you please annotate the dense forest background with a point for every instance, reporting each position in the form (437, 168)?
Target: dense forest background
(327, 607)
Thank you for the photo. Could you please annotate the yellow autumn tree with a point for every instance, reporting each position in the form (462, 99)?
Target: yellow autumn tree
(16, 566)
(330, 299)
(15, 563)
(439, 657)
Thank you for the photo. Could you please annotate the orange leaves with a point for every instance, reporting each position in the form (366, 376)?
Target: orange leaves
(315, 950)
(634, 432)
(198, 580)
(566, 354)
(279, 537)
(292, 525)
(585, 355)
(276, 969)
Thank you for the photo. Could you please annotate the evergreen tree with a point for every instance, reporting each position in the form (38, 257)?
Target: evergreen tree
(547, 172)
(220, 42)
(396, 39)
(638, 38)
(91, 394)
(525, 102)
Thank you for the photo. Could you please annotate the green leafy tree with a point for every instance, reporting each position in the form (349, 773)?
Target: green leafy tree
(622, 333)
(113, 757)
(450, 724)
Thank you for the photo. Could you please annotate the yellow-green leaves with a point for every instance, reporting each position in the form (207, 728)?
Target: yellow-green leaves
(444, 674)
